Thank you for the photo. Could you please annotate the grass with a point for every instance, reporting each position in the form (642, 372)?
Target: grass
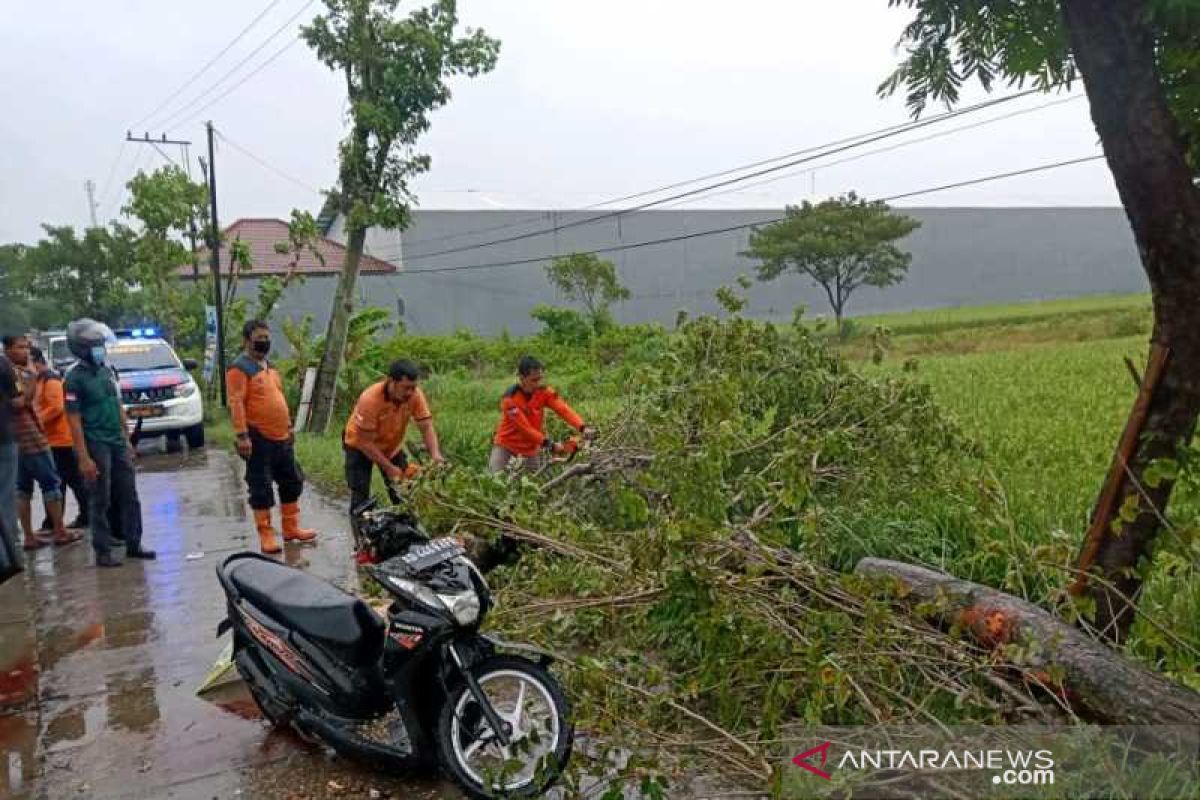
(959, 331)
(941, 320)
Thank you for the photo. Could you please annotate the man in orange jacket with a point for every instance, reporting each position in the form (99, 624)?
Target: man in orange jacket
(263, 426)
(51, 408)
(521, 433)
(374, 434)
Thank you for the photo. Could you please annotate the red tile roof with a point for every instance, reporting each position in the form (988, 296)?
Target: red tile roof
(261, 235)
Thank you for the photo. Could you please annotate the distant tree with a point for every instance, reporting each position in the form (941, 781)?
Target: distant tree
(1138, 63)
(841, 243)
(396, 73)
(90, 275)
(165, 203)
(14, 305)
(589, 280)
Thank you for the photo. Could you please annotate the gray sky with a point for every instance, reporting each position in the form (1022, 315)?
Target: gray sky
(589, 101)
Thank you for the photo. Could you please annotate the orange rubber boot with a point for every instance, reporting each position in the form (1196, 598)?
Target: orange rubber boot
(292, 532)
(267, 540)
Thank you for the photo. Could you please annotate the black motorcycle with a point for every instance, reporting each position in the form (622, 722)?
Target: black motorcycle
(420, 688)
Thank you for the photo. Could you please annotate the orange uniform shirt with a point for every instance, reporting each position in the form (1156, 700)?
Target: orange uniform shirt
(256, 399)
(375, 417)
(522, 419)
(50, 405)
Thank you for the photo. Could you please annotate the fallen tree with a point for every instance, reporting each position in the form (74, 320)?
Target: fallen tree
(694, 565)
(1083, 671)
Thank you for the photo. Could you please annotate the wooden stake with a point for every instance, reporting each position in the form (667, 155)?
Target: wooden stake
(1106, 506)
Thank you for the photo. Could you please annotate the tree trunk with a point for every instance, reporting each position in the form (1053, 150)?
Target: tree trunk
(1109, 685)
(325, 393)
(1113, 47)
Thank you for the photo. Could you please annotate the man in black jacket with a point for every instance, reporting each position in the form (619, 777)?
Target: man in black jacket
(11, 557)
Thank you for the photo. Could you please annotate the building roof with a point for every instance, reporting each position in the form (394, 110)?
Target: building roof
(261, 236)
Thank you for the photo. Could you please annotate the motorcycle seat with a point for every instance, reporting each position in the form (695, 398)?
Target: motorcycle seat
(311, 606)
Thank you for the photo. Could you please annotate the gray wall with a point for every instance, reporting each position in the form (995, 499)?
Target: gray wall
(961, 256)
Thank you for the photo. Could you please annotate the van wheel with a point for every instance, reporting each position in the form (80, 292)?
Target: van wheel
(195, 436)
(174, 445)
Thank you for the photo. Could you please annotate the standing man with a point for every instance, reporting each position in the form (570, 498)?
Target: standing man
(100, 434)
(521, 432)
(263, 424)
(374, 434)
(51, 408)
(11, 557)
(35, 461)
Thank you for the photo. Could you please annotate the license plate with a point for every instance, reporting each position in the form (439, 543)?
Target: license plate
(143, 412)
(432, 554)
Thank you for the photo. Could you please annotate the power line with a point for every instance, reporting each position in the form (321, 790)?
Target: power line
(205, 68)
(134, 167)
(744, 226)
(166, 157)
(825, 151)
(891, 148)
(829, 148)
(266, 165)
(200, 111)
(106, 188)
(187, 107)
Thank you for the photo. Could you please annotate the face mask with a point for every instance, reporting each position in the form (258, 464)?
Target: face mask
(99, 355)
(262, 347)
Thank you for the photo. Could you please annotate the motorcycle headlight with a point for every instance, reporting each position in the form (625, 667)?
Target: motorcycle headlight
(186, 389)
(418, 590)
(463, 607)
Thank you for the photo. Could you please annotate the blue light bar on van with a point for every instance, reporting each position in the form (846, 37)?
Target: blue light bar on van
(143, 333)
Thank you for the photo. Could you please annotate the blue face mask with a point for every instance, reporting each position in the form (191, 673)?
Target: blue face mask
(98, 355)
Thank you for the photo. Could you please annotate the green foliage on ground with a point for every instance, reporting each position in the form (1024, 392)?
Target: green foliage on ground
(983, 464)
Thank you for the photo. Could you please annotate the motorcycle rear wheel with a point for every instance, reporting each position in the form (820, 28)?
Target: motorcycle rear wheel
(531, 703)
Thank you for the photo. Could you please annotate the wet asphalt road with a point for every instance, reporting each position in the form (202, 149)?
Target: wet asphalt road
(99, 668)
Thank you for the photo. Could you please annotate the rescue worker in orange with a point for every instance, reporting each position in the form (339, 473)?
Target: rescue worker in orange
(374, 434)
(50, 405)
(521, 432)
(263, 426)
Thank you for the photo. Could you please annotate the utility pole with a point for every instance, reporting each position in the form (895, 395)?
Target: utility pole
(90, 187)
(145, 139)
(215, 251)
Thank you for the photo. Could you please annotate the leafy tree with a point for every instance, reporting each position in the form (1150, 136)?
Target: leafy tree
(841, 243)
(396, 73)
(563, 325)
(14, 305)
(1138, 62)
(591, 281)
(89, 275)
(166, 203)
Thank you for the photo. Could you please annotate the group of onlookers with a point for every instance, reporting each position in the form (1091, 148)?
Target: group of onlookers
(62, 433)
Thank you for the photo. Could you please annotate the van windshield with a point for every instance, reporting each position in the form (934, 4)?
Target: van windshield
(137, 356)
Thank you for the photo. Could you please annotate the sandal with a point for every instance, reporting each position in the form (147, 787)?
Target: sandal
(71, 537)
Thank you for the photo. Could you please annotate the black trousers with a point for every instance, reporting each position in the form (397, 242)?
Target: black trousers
(116, 485)
(68, 469)
(358, 476)
(272, 464)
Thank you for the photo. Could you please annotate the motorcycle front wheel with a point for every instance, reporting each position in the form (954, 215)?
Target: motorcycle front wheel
(536, 714)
